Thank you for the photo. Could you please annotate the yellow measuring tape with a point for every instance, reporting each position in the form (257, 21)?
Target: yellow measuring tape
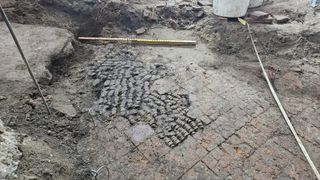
(144, 41)
(275, 96)
(242, 21)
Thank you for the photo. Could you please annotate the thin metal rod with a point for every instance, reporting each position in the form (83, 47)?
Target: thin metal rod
(284, 114)
(144, 41)
(6, 20)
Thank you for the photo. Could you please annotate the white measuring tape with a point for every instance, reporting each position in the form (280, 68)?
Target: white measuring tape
(275, 96)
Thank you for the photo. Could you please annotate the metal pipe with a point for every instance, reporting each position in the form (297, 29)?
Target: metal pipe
(6, 20)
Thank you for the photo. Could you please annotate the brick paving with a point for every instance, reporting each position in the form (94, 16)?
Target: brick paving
(244, 137)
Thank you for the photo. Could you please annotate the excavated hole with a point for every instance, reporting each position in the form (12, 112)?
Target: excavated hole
(175, 126)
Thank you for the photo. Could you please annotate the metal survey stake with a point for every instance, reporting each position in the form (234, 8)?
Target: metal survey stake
(6, 20)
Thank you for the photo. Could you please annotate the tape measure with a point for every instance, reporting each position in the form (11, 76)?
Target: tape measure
(283, 112)
(144, 41)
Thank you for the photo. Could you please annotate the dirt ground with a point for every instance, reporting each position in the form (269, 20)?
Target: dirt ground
(124, 111)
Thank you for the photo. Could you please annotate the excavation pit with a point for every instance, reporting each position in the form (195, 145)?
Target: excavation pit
(158, 112)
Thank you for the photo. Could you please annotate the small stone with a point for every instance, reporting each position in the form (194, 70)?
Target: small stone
(188, 120)
(131, 120)
(3, 98)
(104, 93)
(140, 31)
(133, 112)
(161, 5)
(180, 135)
(205, 120)
(96, 82)
(170, 3)
(295, 69)
(168, 141)
(188, 128)
(193, 124)
(2, 129)
(200, 14)
(281, 19)
(205, 3)
(258, 15)
(106, 83)
(123, 112)
(173, 24)
(169, 134)
(114, 111)
(184, 132)
(49, 132)
(25, 177)
(32, 103)
(199, 124)
(197, 8)
(175, 140)
(172, 145)
(150, 15)
(161, 135)
(182, 4)
(180, 122)
(46, 78)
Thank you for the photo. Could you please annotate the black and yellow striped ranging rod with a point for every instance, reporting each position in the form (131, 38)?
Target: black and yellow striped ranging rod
(6, 20)
(144, 41)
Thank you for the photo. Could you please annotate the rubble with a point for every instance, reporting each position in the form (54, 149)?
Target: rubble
(9, 153)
